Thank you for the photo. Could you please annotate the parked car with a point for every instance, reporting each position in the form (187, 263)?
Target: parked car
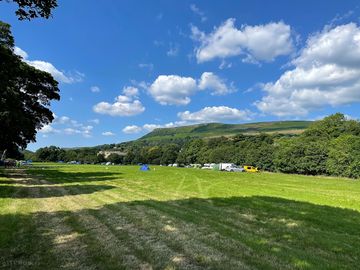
(234, 168)
(223, 166)
(250, 169)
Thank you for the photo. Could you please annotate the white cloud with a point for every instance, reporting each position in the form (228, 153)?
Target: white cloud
(119, 108)
(205, 115)
(95, 89)
(130, 91)
(124, 105)
(108, 133)
(211, 81)
(151, 127)
(173, 89)
(21, 52)
(48, 129)
(327, 72)
(85, 131)
(215, 114)
(66, 125)
(50, 68)
(253, 43)
(61, 120)
(132, 129)
(176, 90)
(71, 131)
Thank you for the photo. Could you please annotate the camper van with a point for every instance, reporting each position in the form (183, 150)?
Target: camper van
(223, 166)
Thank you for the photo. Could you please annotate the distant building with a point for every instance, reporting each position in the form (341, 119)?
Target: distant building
(107, 153)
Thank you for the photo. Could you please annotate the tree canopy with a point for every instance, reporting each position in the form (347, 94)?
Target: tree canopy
(26, 93)
(30, 9)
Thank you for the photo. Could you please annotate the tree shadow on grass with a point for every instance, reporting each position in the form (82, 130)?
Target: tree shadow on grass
(218, 233)
(54, 176)
(43, 191)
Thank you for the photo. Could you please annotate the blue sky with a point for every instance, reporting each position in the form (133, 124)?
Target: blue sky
(127, 67)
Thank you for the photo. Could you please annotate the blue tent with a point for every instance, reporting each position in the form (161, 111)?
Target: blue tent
(144, 167)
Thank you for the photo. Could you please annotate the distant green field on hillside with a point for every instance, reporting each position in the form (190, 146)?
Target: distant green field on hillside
(217, 129)
(117, 217)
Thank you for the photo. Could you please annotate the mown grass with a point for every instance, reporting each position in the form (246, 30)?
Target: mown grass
(117, 217)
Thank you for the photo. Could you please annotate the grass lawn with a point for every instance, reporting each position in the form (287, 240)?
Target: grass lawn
(116, 217)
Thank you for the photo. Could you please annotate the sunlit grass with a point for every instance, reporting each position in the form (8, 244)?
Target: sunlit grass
(114, 217)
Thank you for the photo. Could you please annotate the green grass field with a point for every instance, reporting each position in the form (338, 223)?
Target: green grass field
(116, 217)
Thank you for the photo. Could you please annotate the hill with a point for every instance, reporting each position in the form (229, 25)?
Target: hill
(218, 129)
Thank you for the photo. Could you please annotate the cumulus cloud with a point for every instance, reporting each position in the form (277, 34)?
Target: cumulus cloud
(120, 107)
(132, 129)
(253, 43)
(124, 105)
(48, 129)
(211, 81)
(108, 133)
(327, 72)
(130, 91)
(60, 76)
(176, 90)
(173, 89)
(215, 114)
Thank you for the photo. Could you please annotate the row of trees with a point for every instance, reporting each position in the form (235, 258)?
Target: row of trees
(328, 147)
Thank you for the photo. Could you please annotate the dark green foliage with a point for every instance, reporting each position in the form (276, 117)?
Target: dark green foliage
(301, 155)
(30, 9)
(322, 149)
(99, 158)
(25, 96)
(115, 158)
(332, 127)
(344, 156)
(51, 153)
(169, 154)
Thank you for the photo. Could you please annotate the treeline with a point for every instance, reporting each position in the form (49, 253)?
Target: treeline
(55, 154)
(328, 147)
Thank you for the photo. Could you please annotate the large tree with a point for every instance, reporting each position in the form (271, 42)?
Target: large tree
(25, 95)
(30, 9)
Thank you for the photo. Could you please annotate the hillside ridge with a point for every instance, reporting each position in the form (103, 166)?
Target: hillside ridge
(221, 129)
